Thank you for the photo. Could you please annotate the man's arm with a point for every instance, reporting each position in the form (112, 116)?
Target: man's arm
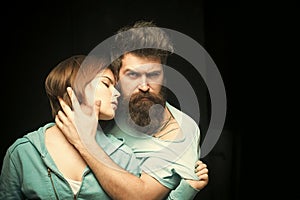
(117, 182)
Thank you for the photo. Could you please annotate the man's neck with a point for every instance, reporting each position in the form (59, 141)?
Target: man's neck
(170, 128)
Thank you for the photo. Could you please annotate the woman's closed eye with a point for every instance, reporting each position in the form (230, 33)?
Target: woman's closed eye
(106, 84)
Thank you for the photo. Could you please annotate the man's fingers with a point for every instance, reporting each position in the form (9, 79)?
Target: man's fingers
(63, 118)
(97, 108)
(62, 121)
(65, 107)
(58, 122)
(73, 98)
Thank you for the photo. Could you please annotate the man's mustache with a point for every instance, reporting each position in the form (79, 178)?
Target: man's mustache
(135, 98)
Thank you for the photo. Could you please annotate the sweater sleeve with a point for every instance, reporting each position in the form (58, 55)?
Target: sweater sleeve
(10, 187)
(184, 191)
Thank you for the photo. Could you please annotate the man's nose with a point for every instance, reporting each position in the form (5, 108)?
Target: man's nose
(144, 85)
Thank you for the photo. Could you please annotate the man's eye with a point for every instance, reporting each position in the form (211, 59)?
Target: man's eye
(153, 74)
(132, 74)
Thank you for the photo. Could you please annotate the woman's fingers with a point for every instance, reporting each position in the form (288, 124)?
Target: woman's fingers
(203, 177)
(202, 171)
(201, 168)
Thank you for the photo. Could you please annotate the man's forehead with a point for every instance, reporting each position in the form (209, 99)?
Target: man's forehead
(147, 67)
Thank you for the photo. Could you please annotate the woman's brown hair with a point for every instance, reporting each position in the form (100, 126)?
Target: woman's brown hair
(76, 72)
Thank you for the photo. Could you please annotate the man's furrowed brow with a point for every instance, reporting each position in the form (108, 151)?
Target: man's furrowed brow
(143, 71)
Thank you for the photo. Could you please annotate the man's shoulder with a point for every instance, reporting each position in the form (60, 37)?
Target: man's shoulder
(118, 143)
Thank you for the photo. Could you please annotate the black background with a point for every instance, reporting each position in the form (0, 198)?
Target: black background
(36, 36)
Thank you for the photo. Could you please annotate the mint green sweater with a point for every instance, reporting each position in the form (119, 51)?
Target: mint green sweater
(28, 171)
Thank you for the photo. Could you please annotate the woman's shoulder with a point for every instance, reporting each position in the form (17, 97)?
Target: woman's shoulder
(30, 140)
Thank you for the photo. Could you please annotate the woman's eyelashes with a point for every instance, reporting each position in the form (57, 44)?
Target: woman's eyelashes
(106, 84)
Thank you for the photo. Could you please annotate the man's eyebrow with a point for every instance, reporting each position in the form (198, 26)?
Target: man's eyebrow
(111, 81)
(148, 72)
(130, 70)
(154, 71)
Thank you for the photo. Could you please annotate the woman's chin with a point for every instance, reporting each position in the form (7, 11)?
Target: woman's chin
(107, 117)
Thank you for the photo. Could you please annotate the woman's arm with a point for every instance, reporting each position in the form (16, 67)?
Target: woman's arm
(10, 187)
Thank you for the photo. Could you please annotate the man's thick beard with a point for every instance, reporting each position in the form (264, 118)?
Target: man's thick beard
(146, 116)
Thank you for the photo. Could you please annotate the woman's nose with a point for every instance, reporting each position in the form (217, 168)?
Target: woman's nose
(116, 93)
